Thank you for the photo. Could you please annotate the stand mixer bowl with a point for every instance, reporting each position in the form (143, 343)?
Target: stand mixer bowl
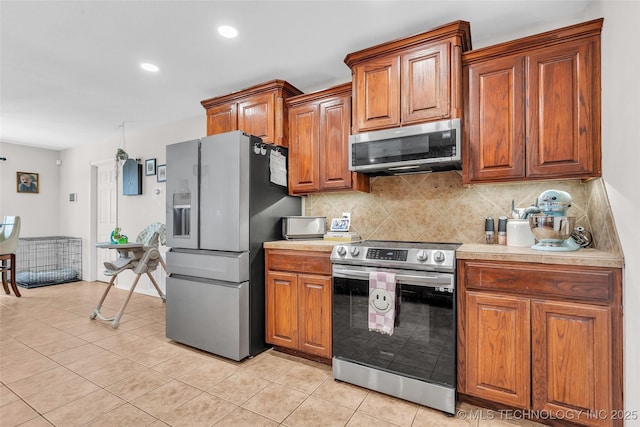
(551, 230)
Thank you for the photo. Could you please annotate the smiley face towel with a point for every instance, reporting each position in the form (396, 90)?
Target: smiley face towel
(382, 302)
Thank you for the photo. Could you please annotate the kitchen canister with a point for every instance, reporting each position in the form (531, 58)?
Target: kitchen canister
(519, 233)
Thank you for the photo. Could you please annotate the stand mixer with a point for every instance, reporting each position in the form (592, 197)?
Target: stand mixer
(552, 227)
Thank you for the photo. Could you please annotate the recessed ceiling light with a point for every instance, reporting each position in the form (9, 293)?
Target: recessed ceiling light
(152, 68)
(227, 31)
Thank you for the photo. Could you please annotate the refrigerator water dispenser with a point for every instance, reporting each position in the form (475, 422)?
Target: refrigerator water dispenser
(181, 214)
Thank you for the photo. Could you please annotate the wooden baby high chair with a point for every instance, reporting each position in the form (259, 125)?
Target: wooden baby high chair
(9, 235)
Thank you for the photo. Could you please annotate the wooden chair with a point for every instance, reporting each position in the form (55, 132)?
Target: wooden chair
(9, 235)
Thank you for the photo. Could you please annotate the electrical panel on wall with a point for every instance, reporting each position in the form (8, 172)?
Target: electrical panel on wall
(131, 178)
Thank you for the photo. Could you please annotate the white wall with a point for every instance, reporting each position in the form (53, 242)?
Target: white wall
(39, 212)
(135, 212)
(620, 155)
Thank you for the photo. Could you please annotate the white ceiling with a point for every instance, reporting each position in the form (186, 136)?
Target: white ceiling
(70, 69)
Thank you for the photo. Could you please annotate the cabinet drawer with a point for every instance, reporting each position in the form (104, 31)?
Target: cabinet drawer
(591, 284)
(298, 261)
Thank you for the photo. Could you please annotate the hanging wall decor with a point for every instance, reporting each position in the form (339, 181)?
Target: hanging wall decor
(162, 173)
(27, 182)
(150, 167)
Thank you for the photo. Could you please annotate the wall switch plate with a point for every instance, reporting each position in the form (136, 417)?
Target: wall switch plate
(346, 215)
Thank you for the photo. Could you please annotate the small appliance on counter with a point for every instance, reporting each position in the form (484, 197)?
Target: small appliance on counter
(303, 227)
(552, 227)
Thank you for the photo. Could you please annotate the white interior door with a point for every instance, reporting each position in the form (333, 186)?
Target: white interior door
(106, 214)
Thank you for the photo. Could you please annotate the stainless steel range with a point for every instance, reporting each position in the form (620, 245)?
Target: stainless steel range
(394, 327)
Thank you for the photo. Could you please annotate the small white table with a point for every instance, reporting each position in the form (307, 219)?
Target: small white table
(131, 256)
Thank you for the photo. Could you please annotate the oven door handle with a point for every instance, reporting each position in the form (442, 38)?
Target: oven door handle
(429, 280)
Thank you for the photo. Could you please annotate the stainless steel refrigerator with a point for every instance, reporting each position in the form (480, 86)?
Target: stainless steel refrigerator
(221, 206)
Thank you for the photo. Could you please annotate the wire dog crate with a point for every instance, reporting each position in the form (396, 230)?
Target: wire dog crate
(43, 261)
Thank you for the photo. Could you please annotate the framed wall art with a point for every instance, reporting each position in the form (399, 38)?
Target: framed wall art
(162, 173)
(27, 182)
(150, 167)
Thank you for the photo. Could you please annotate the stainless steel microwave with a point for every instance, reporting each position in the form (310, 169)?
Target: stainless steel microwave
(426, 147)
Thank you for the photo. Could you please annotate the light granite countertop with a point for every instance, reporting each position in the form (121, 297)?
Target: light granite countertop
(585, 257)
(302, 245)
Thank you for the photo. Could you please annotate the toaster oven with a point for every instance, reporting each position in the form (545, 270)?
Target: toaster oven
(303, 227)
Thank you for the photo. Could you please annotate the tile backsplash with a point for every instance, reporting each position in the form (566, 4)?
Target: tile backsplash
(437, 207)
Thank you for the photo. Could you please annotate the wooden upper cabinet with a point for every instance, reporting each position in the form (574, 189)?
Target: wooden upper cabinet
(334, 143)
(532, 109)
(495, 119)
(426, 83)
(319, 143)
(259, 110)
(563, 117)
(304, 151)
(411, 80)
(256, 116)
(377, 94)
(221, 119)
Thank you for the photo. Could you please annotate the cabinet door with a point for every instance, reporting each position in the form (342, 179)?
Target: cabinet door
(314, 294)
(304, 163)
(571, 356)
(282, 309)
(334, 143)
(426, 84)
(495, 118)
(562, 122)
(221, 119)
(377, 94)
(256, 116)
(498, 348)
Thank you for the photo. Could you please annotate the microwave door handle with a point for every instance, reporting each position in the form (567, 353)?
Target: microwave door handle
(429, 281)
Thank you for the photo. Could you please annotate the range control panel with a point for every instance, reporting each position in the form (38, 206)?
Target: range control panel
(405, 255)
(387, 254)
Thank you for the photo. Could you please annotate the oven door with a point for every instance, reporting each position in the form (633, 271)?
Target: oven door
(423, 342)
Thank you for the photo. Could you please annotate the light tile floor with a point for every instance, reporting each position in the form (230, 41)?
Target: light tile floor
(58, 367)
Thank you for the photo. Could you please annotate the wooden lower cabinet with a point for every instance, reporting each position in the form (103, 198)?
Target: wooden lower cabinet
(282, 309)
(542, 338)
(571, 356)
(498, 343)
(298, 302)
(314, 317)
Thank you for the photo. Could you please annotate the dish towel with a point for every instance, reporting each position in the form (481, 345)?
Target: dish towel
(278, 168)
(382, 302)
